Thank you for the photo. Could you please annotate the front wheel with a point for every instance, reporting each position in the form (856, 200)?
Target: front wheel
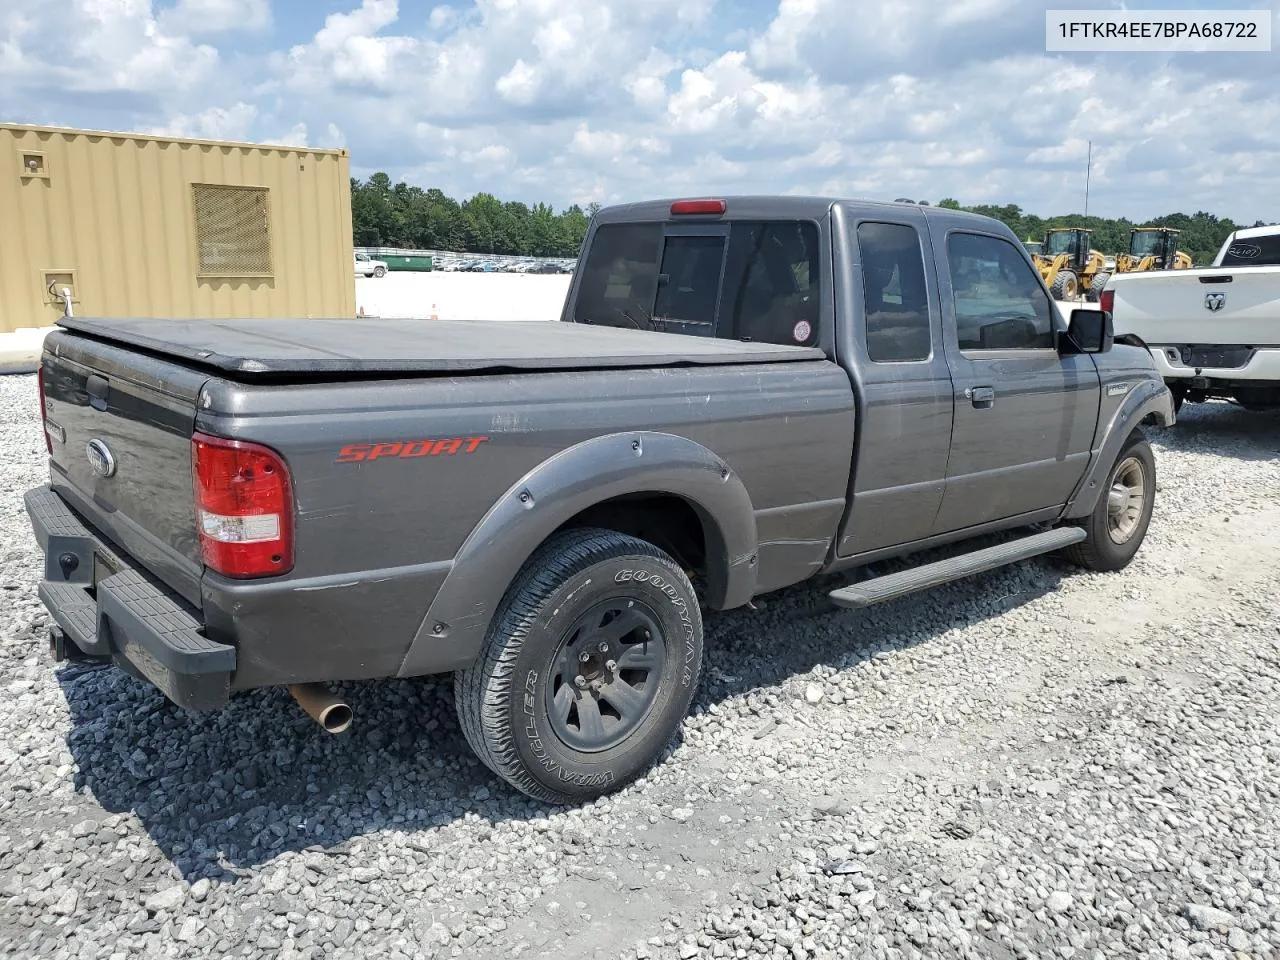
(1095, 286)
(379, 271)
(1118, 525)
(1065, 286)
(588, 668)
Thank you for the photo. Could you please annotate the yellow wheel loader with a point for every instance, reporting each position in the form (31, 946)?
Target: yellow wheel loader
(1069, 265)
(1152, 248)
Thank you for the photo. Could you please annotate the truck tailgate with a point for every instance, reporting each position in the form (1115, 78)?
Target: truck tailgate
(1216, 305)
(120, 424)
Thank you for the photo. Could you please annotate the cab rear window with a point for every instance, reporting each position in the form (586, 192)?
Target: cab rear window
(745, 280)
(1253, 252)
(620, 276)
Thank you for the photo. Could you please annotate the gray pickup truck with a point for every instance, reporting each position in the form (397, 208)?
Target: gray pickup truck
(743, 393)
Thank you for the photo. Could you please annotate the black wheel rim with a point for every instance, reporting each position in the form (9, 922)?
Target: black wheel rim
(605, 675)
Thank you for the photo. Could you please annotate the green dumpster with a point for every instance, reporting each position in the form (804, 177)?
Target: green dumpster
(416, 262)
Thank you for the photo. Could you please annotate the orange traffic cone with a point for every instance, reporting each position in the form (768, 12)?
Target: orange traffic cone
(434, 315)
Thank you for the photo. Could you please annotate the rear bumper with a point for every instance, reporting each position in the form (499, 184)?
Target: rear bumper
(109, 609)
(1262, 365)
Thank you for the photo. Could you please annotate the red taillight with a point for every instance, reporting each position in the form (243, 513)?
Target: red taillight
(1107, 300)
(697, 206)
(44, 413)
(244, 507)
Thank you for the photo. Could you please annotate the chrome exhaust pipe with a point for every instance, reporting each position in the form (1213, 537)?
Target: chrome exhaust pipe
(322, 706)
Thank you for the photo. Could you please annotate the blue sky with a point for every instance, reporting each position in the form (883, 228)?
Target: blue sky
(579, 100)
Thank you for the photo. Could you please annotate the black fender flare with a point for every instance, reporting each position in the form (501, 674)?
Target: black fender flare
(1149, 397)
(558, 489)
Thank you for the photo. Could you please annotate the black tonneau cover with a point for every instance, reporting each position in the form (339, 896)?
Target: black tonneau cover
(274, 348)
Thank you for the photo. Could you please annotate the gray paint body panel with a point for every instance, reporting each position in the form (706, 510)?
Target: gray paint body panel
(794, 461)
(386, 549)
(905, 407)
(143, 410)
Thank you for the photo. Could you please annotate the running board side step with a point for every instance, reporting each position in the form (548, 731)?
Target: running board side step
(894, 585)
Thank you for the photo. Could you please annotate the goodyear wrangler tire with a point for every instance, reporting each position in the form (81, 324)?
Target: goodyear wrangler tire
(588, 668)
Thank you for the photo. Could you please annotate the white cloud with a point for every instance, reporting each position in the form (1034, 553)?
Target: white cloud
(333, 136)
(614, 147)
(197, 17)
(349, 50)
(217, 123)
(491, 156)
(98, 47)
(519, 84)
(647, 83)
(580, 100)
(295, 136)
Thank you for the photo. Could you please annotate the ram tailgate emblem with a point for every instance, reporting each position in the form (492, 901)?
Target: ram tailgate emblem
(1213, 302)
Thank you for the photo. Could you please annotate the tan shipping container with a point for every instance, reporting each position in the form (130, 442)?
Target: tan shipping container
(143, 226)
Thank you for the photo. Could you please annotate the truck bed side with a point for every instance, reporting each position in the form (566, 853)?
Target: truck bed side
(384, 507)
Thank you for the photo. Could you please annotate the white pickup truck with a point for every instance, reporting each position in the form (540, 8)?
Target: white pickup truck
(1214, 332)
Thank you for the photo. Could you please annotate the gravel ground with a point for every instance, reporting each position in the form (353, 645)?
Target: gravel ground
(1033, 763)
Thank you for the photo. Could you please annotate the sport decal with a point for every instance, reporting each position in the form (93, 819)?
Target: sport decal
(409, 449)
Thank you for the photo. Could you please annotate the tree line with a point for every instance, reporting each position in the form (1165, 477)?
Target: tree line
(1202, 233)
(409, 217)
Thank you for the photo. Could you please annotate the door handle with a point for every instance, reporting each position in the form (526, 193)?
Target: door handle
(981, 397)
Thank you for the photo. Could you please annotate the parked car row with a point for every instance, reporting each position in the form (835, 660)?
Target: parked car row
(482, 265)
(368, 264)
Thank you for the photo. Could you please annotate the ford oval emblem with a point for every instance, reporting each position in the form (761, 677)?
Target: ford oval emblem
(101, 460)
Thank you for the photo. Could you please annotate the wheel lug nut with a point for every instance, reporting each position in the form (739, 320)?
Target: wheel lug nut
(611, 666)
(604, 647)
(584, 657)
(580, 681)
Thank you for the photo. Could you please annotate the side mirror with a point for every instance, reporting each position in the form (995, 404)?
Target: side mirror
(1090, 331)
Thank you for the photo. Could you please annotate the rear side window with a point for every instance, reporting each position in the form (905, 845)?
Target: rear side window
(894, 293)
(620, 276)
(1253, 252)
(773, 282)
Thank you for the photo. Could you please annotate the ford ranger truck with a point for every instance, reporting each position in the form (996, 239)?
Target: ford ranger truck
(744, 393)
(1213, 332)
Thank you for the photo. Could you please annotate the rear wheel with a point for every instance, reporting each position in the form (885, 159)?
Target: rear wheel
(588, 669)
(1065, 286)
(1118, 525)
